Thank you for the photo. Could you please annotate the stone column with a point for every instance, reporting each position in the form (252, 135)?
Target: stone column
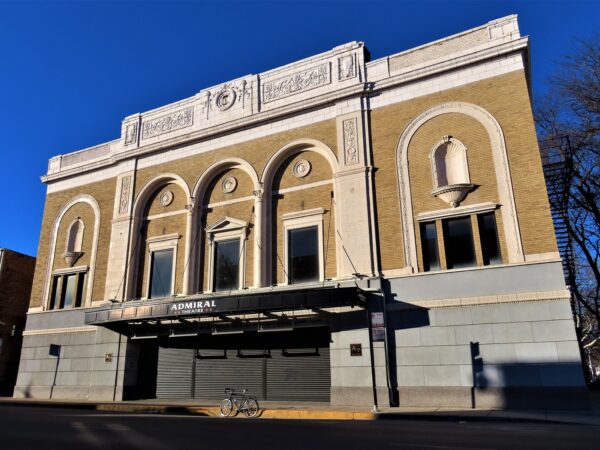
(119, 239)
(356, 250)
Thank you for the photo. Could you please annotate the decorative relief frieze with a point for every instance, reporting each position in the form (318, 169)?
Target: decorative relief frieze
(167, 123)
(225, 97)
(131, 133)
(350, 142)
(125, 191)
(296, 83)
(346, 67)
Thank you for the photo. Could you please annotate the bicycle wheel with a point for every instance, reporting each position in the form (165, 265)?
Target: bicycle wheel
(251, 407)
(226, 407)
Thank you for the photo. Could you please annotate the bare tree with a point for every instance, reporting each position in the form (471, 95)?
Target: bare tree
(570, 113)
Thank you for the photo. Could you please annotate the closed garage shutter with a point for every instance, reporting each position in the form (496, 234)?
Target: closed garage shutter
(299, 374)
(220, 369)
(174, 374)
(263, 367)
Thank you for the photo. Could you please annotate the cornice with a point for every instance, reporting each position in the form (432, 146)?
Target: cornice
(367, 88)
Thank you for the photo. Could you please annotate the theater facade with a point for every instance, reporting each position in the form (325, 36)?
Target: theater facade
(340, 229)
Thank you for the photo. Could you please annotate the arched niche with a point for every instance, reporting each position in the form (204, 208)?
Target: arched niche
(450, 171)
(74, 244)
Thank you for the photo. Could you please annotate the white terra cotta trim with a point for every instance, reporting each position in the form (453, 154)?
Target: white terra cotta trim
(505, 191)
(91, 201)
(69, 270)
(549, 256)
(303, 186)
(83, 329)
(458, 211)
(167, 214)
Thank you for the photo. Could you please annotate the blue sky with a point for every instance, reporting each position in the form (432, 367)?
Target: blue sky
(70, 71)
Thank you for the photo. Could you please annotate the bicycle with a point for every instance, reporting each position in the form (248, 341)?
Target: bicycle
(244, 403)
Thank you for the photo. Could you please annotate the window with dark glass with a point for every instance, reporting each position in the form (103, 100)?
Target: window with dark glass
(458, 243)
(67, 291)
(488, 233)
(161, 273)
(303, 251)
(227, 265)
(429, 244)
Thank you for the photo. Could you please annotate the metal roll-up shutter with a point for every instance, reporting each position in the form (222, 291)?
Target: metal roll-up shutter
(220, 369)
(299, 374)
(174, 374)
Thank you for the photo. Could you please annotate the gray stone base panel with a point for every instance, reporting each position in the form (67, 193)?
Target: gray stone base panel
(93, 393)
(358, 396)
(556, 398)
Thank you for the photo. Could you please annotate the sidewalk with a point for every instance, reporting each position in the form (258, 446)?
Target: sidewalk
(323, 411)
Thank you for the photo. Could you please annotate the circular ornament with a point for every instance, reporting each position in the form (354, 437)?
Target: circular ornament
(301, 168)
(166, 198)
(225, 99)
(228, 185)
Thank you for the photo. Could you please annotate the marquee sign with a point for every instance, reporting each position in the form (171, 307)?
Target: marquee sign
(192, 307)
(235, 304)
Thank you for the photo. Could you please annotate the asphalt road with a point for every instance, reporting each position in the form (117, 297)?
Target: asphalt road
(26, 427)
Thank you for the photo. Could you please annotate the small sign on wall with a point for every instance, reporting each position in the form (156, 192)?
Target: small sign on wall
(54, 350)
(108, 357)
(377, 327)
(355, 349)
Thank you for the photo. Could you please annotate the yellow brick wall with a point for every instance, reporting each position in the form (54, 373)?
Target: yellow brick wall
(215, 194)
(256, 152)
(154, 206)
(103, 192)
(506, 97)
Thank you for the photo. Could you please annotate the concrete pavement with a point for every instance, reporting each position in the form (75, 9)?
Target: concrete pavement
(322, 411)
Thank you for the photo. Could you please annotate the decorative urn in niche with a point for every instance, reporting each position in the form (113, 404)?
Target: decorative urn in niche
(72, 257)
(453, 194)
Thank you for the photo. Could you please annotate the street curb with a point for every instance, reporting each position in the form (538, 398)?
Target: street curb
(289, 414)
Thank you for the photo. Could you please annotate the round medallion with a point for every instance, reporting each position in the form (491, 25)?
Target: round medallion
(225, 99)
(228, 185)
(301, 168)
(166, 198)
